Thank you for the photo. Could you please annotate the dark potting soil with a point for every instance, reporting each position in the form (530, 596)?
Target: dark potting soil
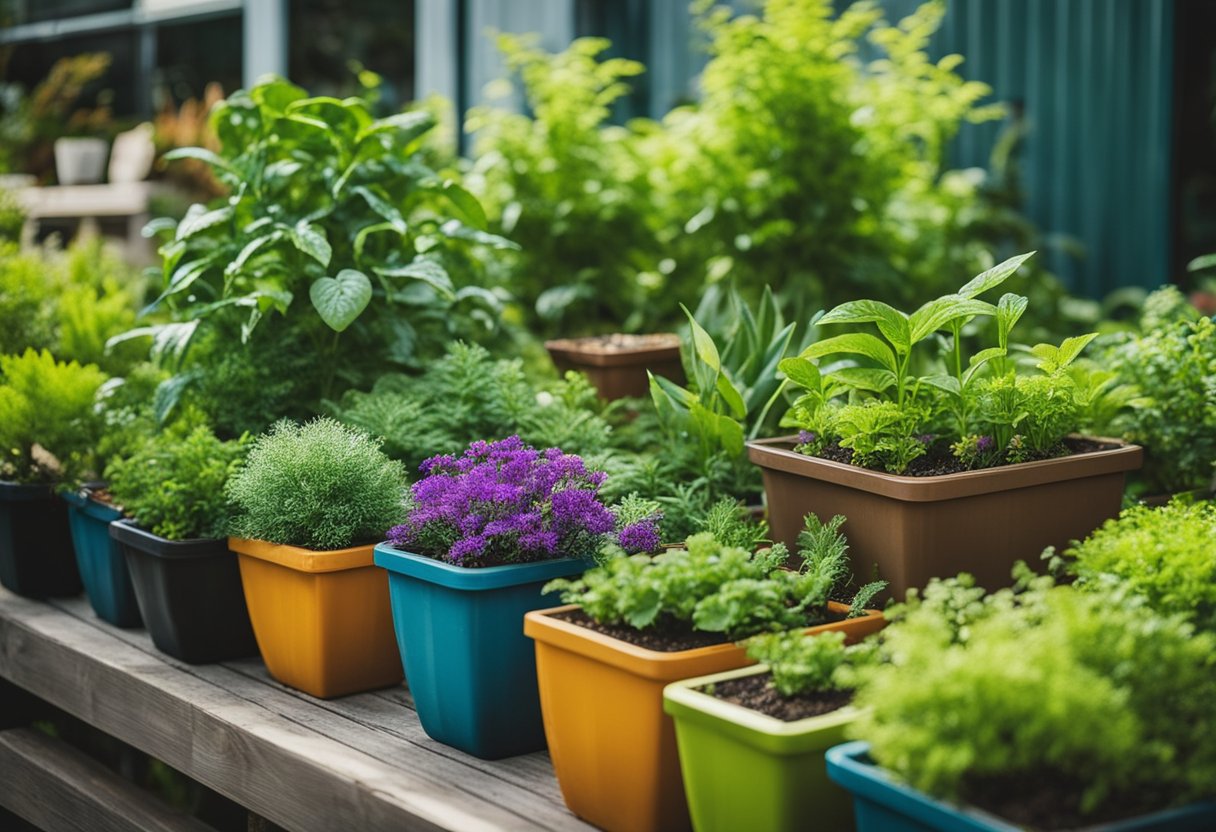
(940, 461)
(756, 693)
(670, 638)
(659, 639)
(1047, 802)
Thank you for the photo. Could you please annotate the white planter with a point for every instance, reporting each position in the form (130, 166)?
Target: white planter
(80, 161)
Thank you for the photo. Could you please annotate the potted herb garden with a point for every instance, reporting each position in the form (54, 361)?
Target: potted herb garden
(964, 462)
(308, 506)
(186, 581)
(636, 624)
(752, 740)
(47, 432)
(1050, 709)
(486, 531)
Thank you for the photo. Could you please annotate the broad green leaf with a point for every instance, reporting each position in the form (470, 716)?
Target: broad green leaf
(1206, 261)
(803, 372)
(340, 300)
(156, 226)
(730, 433)
(387, 211)
(168, 340)
(277, 95)
(367, 231)
(410, 125)
(980, 359)
(1054, 359)
(892, 323)
(203, 155)
(871, 379)
(428, 271)
(466, 204)
(196, 221)
(249, 250)
(1008, 310)
(703, 344)
(679, 394)
(671, 417)
(730, 395)
(311, 240)
(183, 277)
(854, 343)
(458, 230)
(169, 393)
(948, 383)
(935, 314)
(994, 277)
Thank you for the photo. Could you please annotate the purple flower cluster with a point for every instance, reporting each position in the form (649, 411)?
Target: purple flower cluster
(506, 502)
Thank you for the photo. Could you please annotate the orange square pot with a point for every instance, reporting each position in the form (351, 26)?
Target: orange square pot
(323, 620)
(613, 747)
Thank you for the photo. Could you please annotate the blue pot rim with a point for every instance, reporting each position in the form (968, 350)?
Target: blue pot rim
(850, 766)
(490, 577)
(91, 507)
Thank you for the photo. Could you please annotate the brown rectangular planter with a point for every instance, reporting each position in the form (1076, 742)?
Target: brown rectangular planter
(619, 371)
(911, 529)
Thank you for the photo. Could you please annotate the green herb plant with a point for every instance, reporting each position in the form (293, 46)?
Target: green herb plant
(321, 485)
(48, 425)
(1050, 686)
(173, 484)
(895, 411)
(803, 665)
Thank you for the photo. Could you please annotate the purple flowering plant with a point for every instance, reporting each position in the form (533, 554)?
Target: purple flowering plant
(505, 502)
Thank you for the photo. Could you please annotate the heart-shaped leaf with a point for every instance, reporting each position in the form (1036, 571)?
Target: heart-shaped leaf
(339, 300)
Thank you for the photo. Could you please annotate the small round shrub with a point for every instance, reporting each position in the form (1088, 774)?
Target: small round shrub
(320, 485)
(173, 485)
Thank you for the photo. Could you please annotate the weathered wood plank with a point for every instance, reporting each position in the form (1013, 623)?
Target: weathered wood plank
(281, 766)
(382, 724)
(56, 787)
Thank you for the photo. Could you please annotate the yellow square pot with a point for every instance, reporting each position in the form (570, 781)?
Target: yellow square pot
(323, 620)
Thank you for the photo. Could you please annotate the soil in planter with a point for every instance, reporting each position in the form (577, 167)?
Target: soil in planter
(669, 639)
(1046, 802)
(617, 342)
(940, 461)
(756, 693)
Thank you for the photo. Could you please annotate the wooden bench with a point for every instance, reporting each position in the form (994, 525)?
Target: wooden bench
(360, 763)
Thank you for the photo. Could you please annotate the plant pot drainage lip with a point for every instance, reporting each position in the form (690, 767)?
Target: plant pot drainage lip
(14, 491)
(778, 454)
(127, 532)
(664, 346)
(683, 696)
(479, 578)
(304, 560)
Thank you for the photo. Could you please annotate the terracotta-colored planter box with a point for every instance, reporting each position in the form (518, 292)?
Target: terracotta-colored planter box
(613, 747)
(617, 364)
(911, 529)
(323, 620)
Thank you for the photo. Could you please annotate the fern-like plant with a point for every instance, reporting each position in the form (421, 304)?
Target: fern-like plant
(48, 427)
(320, 485)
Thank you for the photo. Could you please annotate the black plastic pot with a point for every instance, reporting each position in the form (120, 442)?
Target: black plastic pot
(36, 556)
(189, 593)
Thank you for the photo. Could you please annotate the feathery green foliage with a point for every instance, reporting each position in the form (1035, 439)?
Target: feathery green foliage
(173, 485)
(320, 485)
(1092, 694)
(48, 426)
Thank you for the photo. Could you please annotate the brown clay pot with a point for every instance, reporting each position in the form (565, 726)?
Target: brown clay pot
(616, 364)
(906, 530)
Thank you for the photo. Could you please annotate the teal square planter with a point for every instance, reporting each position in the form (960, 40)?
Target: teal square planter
(470, 668)
(103, 568)
(883, 805)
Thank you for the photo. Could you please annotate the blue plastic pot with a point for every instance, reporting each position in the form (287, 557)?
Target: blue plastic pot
(103, 568)
(883, 805)
(470, 668)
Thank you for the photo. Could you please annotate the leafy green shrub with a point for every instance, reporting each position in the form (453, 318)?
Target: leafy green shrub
(26, 306)
(173, 485)
(715, 588)
(1164, 554)
(467, 395)
(1172, 365)
(980, 407)
(48, 427)
(337, 230)
(802, 664)
(1060, 689)
(320, 485)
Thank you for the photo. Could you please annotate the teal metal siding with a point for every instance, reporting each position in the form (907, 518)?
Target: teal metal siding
(1096, 78)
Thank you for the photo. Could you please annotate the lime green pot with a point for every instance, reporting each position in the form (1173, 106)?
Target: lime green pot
(746, 770)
